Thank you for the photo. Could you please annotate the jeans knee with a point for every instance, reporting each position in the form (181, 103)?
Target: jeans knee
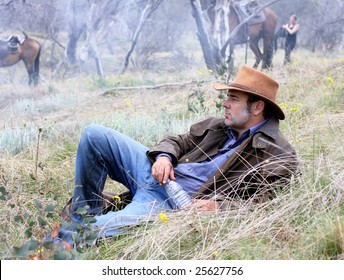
(92, 129)
(93, 133)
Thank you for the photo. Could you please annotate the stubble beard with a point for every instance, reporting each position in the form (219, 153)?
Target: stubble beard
(238, 122)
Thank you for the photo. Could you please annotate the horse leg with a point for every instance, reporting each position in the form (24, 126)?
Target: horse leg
(255, 49)
(230, 60)
(33, 70)
(267, 55)
(31, 77)
(268, 50)
(30, 72)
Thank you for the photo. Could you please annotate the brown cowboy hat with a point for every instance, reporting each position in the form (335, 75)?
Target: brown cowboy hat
(254, 82)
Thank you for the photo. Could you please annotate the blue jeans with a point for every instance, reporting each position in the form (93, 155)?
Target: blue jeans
(105, 152)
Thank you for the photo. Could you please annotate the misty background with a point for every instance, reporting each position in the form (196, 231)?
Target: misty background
(106, 37)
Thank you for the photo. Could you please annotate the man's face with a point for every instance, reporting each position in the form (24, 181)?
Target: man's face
(237, 114)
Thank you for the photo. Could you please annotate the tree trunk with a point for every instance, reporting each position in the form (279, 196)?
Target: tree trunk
(73, 38)
(75, 29)
(151, 6)
(210, 51)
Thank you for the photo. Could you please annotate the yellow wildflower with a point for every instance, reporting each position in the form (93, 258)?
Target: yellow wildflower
(40, 250)
(163, 217)
(330, 80)
(216, 253)
(116, 197)
(294, 109)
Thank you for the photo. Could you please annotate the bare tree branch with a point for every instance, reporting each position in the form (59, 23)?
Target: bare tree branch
(336, 65)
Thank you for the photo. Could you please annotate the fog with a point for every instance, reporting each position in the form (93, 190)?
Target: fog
(137, 32)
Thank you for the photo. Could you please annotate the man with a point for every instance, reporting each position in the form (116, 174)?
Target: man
(241, 156)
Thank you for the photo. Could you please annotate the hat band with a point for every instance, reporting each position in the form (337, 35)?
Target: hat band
(246, 88)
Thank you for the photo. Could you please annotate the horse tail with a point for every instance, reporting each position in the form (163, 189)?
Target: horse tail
(275, 43)
(281, 33)
(36, 66)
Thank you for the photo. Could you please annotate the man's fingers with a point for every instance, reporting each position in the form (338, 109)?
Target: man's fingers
(160, 174)
(171, 173)
(164, 179)
(162, 170)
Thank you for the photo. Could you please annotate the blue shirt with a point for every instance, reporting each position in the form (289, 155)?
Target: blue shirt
(191, 176)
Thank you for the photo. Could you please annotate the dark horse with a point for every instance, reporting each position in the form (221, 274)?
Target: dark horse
(281, 33)
(28, 50)
(258, 25)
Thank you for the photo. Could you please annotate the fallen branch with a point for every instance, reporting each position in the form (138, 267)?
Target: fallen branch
(339, 64)
(110, 91)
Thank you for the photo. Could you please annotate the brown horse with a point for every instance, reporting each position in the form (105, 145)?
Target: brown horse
(264, 30)
(232, 16)
(28, 50)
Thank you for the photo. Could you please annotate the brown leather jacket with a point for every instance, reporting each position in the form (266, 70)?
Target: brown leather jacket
(261, 164)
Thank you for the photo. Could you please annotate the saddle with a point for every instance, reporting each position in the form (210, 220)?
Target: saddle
(11, 45)
(249, 7)
(244, 9)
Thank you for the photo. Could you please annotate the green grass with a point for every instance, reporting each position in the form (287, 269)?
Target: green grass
(303, 222)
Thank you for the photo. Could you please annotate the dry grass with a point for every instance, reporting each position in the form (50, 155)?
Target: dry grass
(304, 222)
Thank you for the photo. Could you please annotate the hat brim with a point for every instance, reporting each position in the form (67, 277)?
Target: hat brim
(279, 113)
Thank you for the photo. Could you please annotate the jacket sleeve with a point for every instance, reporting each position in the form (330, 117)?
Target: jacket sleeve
(177, 146)
(174, 146)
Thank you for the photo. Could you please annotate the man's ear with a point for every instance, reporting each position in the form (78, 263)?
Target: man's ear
(258, 107)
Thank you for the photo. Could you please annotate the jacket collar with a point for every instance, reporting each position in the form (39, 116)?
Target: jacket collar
(263, 136)
(271, 128)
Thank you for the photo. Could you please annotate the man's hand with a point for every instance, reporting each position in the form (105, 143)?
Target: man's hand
(205, 205)
(162, 170)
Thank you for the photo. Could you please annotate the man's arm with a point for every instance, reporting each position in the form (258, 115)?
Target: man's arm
(174, 146)
(178, 146)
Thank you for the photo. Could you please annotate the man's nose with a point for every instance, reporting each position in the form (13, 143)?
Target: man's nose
(226, 104)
